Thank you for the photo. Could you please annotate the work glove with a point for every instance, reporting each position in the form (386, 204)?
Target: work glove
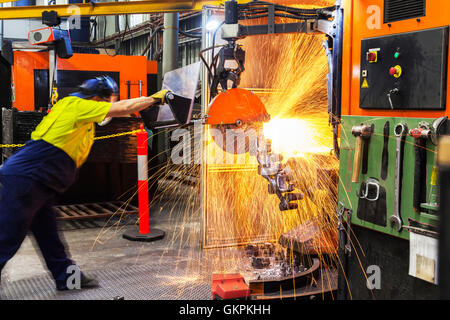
(160, 95)
(105, 121)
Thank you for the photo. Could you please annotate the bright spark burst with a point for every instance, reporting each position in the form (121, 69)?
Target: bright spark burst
(293, 137)
(291, 72)
(288, 72)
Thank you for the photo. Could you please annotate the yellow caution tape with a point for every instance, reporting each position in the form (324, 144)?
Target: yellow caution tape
(117, 135)
(96, 138)
(11, 145)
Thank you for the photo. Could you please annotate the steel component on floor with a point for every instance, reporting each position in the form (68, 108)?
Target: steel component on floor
(309, 238)
(315, 280)
(323, 288)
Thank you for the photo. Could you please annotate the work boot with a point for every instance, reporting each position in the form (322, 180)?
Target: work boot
(88, 282)
(85, 283)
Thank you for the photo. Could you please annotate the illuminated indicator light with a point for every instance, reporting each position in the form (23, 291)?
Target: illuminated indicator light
(397, 55)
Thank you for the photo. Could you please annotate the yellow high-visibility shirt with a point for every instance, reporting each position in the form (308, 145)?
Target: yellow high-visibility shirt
(70, 126)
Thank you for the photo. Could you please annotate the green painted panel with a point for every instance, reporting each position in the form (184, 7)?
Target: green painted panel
(348, 190)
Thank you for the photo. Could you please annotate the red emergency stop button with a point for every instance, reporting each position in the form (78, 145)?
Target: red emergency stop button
(395, 71)
(372, 56)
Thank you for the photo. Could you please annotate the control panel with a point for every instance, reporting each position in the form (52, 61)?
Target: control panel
(405, 71)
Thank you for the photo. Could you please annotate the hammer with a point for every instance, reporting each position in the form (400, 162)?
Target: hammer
(360, 132)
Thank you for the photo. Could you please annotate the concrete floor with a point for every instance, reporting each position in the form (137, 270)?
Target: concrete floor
(99, 250)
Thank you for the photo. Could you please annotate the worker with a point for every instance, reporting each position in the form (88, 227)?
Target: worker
(47, 166)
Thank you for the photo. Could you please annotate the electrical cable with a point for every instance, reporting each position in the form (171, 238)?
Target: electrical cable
(204, 61)
(191, 34)
(104, 39)
(260, 9)
(214, 41)
(257, 9)
(119, 33)
(254, 17)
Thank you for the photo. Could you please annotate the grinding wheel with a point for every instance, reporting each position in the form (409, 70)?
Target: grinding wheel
(238, 115)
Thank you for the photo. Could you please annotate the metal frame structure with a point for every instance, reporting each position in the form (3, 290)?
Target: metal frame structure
(231, 32)
(207, 12)
(108, 8)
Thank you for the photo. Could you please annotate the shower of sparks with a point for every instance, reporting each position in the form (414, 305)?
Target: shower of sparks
(288, 73)
(293, 137)
(229, 205)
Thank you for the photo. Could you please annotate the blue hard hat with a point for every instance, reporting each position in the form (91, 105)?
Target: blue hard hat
(103, 87)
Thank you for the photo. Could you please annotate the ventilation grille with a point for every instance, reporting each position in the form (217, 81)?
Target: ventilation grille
(396, 10)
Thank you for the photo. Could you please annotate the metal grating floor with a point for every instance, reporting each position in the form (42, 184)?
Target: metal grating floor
(94, 210)
(115, 221)
(157, 281)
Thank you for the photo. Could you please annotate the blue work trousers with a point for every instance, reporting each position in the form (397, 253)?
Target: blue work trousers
(27, 205)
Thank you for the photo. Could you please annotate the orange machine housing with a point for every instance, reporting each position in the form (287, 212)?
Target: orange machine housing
(236, 105)
(131, 69)
(364, 19)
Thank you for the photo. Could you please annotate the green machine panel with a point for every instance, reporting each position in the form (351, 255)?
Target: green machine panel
(372, 198)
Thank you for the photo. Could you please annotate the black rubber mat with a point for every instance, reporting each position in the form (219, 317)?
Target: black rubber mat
(154, 281)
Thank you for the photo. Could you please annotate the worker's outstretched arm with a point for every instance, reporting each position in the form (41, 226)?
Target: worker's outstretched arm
(126, 107)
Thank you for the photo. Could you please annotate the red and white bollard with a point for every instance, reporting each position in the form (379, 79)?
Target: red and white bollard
(143, 234)
(142, 168)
